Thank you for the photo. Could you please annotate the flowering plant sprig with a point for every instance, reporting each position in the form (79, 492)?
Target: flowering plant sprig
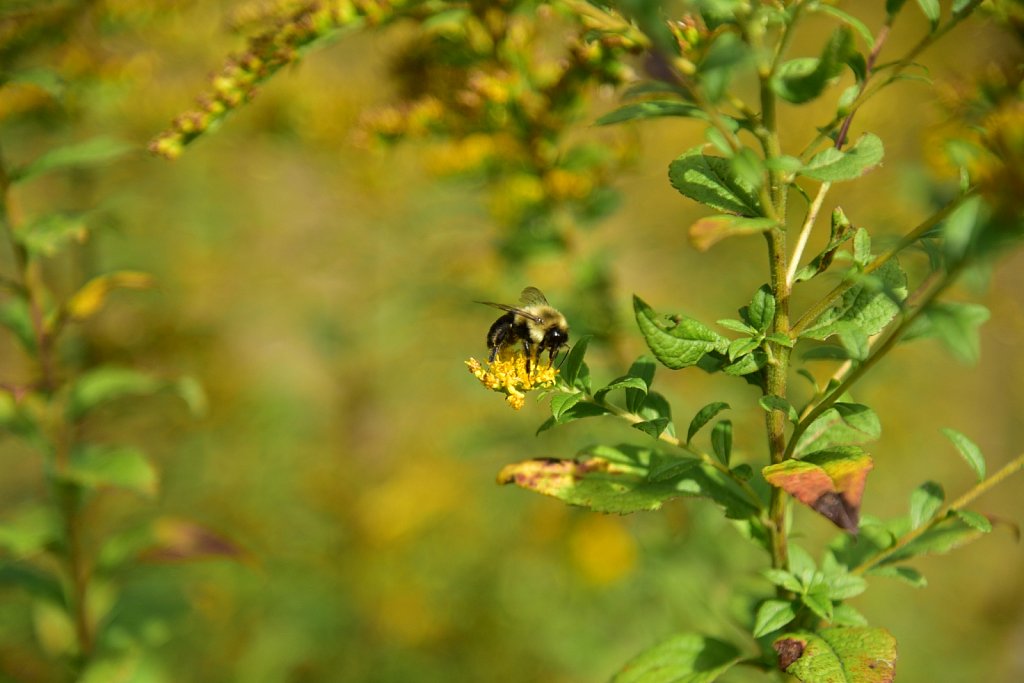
(475, 80)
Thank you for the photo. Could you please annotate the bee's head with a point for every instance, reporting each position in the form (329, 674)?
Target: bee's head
(556, 338)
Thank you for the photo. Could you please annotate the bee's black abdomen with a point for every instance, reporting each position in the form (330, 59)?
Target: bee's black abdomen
(501, 333)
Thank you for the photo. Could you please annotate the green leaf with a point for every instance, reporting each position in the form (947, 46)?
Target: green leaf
(711, 181)
(802, 80)
(745, 365)
(838, 655)
(855, 341)
(783, 579)
(846, 615)
(870, 305)
(29, 531)
(975, 520)
(107, 384)
(743, 472)
(94, 152)
(570, 371)
(678, 342)
(801, 564)
(944, 536)
(192, 393)
(656, 407)
(644, 368)
(833, 165)
(781, 339)
(54, 628)
(964, 6)
(737, 326)
(803, 372)
(563, 402)
(845, 586)
(862, 247)
(575, 412)
(15, 419)
(761, 311)
(100, 466)
(955, 324)
(16, 316)
(931, 11)
(47, 80)
(126, 666)
(817, 601)
(770, 403)
(47, 235)
(960, 228)
(846, 99)
(710, 230)
(718, 13)
(748, 166)
(685, 658)
(625, 382)
(652, 428)
(32, 580)
(773, 615)
(841, 425)
(703, 416)
(907, 575)
(652, 109)
(721, 441)
(726, 54)
(892, 7)
(741, 347)
(856, 24)
(826, 352)
(925, 502)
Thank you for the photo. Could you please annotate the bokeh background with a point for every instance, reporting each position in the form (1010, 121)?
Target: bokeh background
(322, 293)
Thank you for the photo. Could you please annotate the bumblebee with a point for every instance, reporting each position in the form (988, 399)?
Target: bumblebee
(536, 324)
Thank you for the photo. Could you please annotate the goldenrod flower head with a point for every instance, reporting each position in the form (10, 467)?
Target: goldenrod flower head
(507, 375)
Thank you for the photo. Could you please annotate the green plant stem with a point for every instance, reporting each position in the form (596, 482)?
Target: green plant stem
(869, 67)
(877, 354)
(960, 503)
(805, 232)
(66, 498)
(777, 370)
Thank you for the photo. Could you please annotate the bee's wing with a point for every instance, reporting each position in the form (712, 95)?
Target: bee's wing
(511, 309)
(532, 296)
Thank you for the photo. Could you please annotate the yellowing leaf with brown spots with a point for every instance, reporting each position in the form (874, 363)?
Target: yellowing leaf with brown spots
(624, 479)
(839, 655)
(830, 483)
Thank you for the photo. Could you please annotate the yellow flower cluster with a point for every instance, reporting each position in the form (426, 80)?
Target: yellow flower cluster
(508, 375)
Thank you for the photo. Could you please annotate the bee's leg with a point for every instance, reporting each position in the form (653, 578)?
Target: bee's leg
(529, 354)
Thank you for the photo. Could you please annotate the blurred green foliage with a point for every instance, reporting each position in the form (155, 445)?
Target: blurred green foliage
(323, 295)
